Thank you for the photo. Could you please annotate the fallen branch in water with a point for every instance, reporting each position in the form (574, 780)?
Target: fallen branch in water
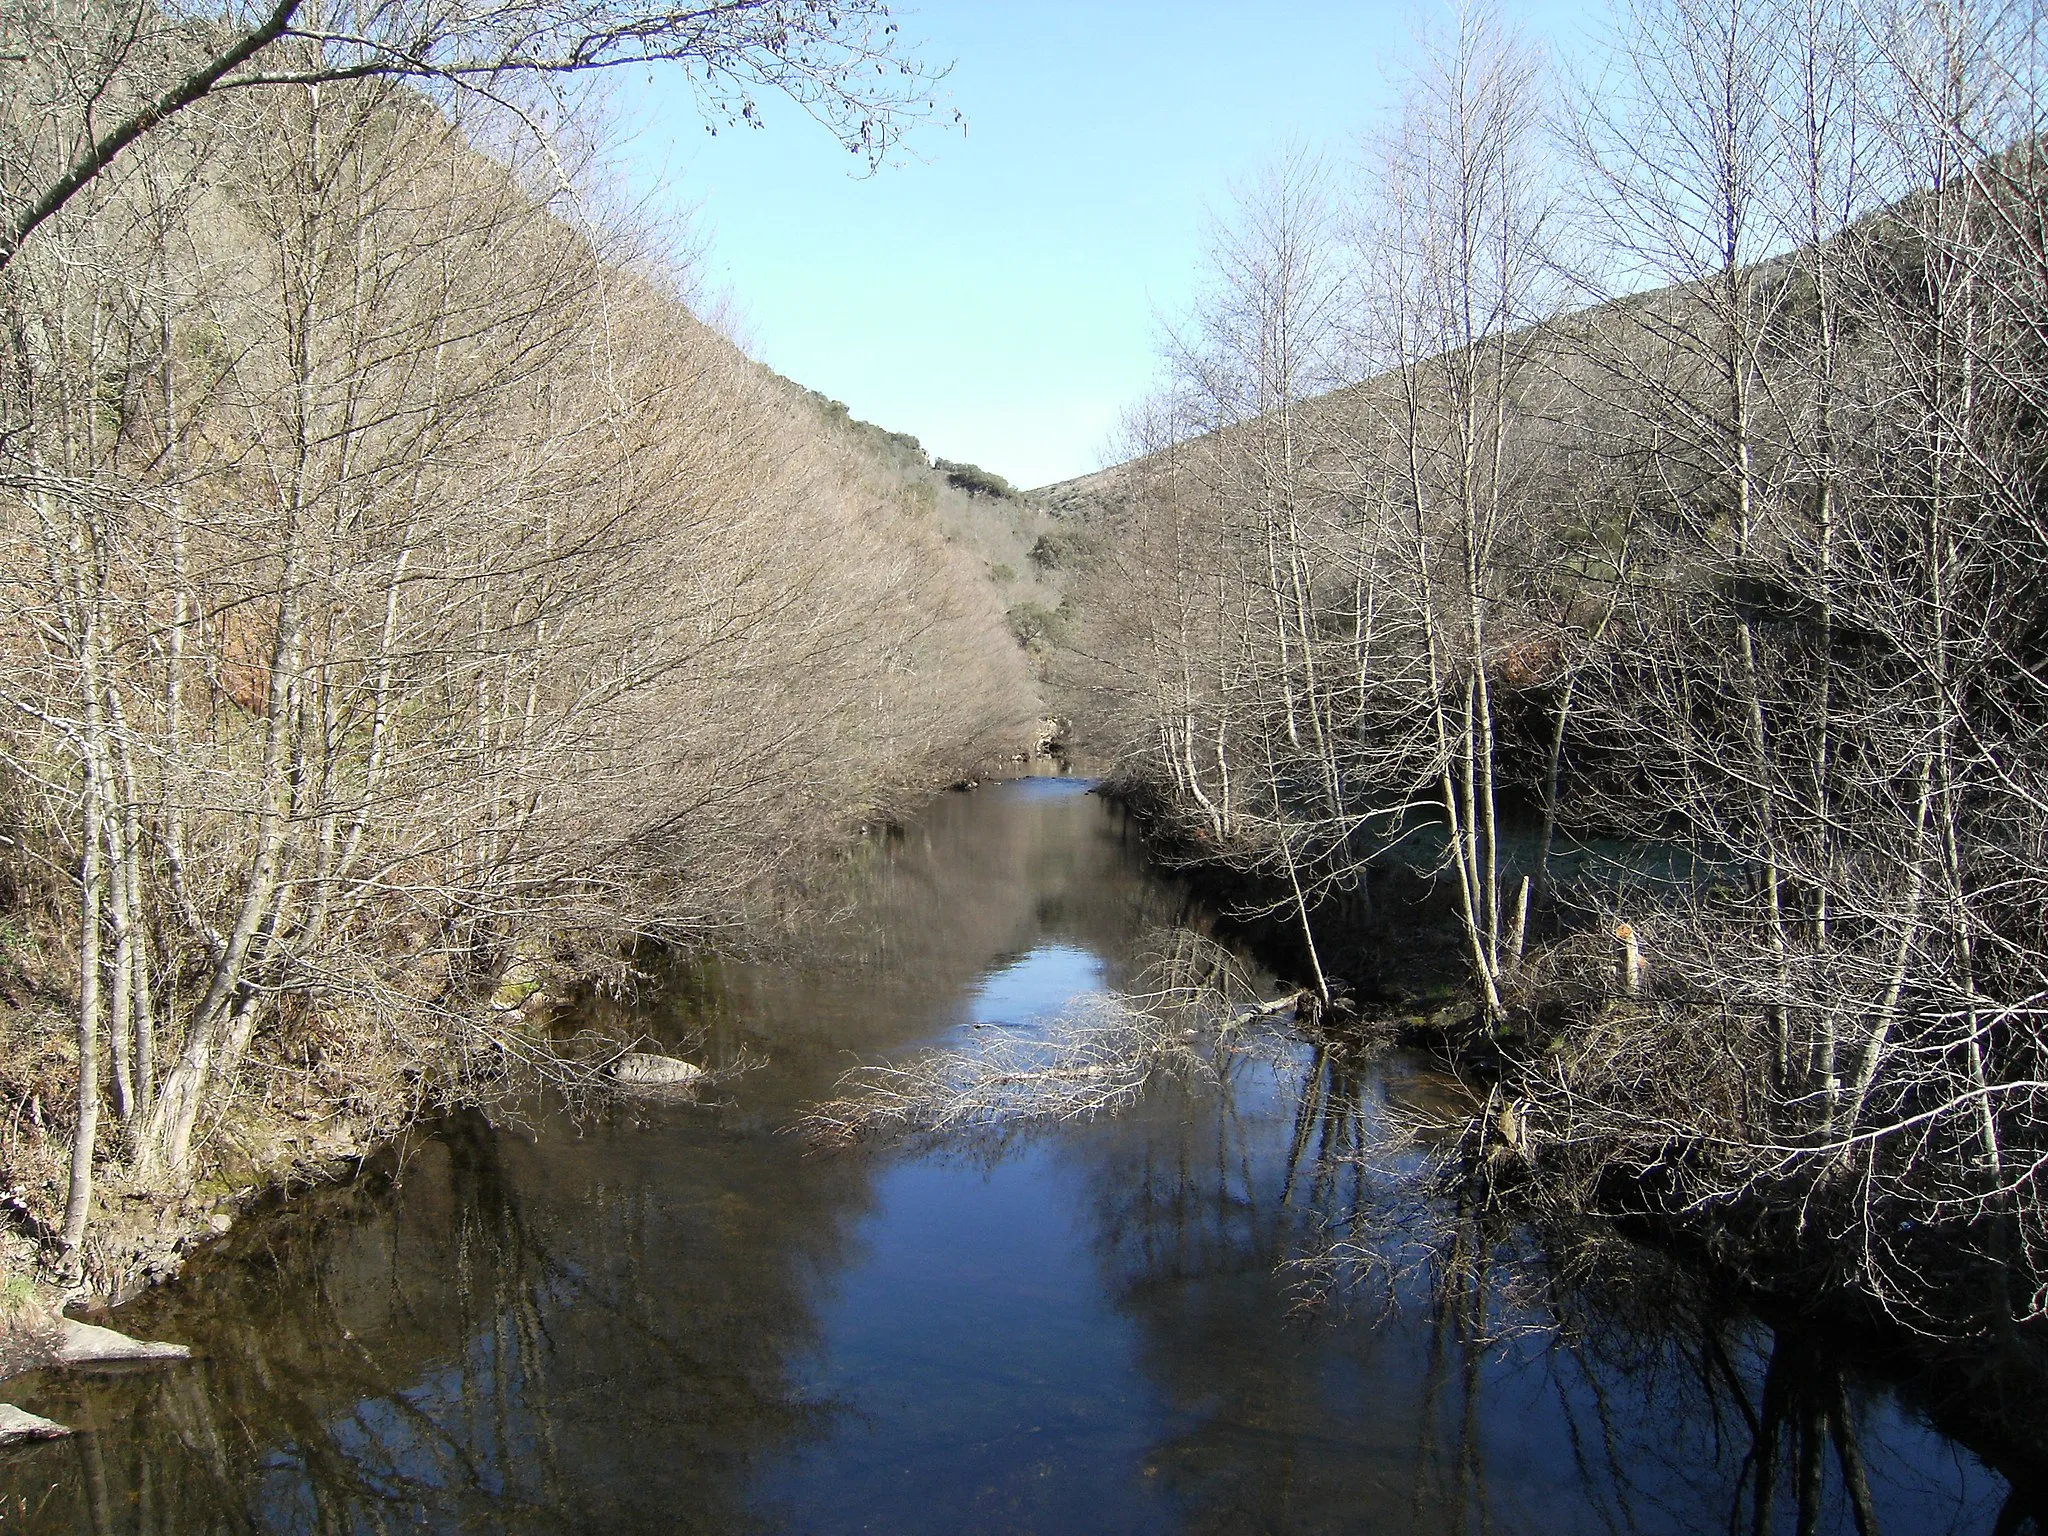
(1193, 998)
(1278, 1005)
(1094, 1061)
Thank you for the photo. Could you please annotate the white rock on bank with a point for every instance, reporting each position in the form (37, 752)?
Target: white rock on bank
(83, 1344)
(17, 1425)
(644, 1069)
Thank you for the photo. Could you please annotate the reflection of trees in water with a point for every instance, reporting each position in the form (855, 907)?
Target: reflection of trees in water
(982, 875)
(921, 916)
(1195, 1207)
(584, 1334)
(506, 1341)
(1804, 1412)
(608, 1333)
(1812, 1431)
(1467, 1374)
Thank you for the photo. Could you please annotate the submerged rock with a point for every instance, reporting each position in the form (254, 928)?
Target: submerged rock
(18, 1424)
(84, 1344)
(645, 1069)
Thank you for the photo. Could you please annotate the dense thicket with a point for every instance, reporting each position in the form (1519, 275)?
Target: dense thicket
(395, 581)
(1695, 498)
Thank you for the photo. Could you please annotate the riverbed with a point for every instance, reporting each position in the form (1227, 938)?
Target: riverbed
(1229, 1309)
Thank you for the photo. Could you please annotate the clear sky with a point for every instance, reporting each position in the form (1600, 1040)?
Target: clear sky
(998, 294)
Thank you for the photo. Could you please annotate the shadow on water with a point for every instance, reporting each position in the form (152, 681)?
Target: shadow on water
(677, 1318)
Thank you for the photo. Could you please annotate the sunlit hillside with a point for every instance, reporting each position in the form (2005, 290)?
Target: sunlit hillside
(403, 590)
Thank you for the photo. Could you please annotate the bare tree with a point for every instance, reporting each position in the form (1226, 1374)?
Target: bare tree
(408, 586)
(93, 79)
(1456, 269)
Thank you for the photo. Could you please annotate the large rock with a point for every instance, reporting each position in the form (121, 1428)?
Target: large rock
(17, 1425)
(644, 1069)
(84, 1344)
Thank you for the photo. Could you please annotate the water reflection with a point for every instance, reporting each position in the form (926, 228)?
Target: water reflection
(679, 1319)
(1479, 1377)
(511, 1338)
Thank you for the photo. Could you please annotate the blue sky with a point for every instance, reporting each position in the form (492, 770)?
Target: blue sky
(998, 293)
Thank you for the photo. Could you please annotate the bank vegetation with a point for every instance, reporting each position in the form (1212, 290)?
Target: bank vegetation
(402, 594)
(1647, 553)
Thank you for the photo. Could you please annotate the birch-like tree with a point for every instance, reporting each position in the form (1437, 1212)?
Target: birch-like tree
(404, 582)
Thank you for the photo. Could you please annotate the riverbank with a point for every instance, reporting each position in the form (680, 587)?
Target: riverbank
(315, 1102)
(301, 1117)
(666, 1313)
(1963, 1344)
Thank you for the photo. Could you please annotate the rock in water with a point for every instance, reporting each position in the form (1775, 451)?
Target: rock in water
(644, 1069)
(17, 1425)
(83, 1344)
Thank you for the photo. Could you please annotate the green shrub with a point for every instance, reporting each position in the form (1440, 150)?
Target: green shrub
(1035, 625)
(832, 410)
(973, 479)
(1062, 549)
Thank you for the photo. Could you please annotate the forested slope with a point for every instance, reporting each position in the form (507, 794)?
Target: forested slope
(1026, 547)
(1441, 546)
(396, 581)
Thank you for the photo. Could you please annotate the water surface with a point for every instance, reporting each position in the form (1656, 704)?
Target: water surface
(682, 1319)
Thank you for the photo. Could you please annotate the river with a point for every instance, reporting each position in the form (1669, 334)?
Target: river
(683, 1318)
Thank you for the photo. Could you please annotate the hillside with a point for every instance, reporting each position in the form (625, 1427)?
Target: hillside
(413, 607)
(1026, 547)
(1667, 672)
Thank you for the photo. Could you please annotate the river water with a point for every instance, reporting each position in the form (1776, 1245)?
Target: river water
(682, 1318)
